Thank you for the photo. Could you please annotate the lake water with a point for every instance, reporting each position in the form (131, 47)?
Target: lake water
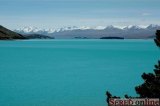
(72, 72)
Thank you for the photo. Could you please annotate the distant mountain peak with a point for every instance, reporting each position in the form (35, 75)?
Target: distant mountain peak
(153, 26)
(133, 27)
(110, 26)
(99, 27)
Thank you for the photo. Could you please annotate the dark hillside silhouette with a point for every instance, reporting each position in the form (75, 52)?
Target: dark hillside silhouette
(6, 34)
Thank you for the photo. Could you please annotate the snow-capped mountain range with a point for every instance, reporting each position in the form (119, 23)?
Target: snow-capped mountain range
(128, 32)
(36, 30)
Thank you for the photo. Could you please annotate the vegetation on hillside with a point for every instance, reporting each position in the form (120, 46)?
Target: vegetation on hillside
(151, 86)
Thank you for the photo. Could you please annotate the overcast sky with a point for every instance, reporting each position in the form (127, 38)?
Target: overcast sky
(59, 13)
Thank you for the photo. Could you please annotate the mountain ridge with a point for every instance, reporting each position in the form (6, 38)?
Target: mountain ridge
(127, 32)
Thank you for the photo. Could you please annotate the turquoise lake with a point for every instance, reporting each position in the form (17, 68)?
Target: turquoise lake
(72, 72)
